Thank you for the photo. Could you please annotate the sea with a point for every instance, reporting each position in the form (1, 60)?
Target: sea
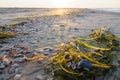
(116, 10)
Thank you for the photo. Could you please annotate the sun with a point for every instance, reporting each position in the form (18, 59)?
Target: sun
(61, 3)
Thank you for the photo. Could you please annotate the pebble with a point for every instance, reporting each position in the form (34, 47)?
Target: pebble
(48, 49)
(15, 65)
(85, 64)
(19, 60)
(17, 77)
(1, 46)
(11, 70)
(12, 53)
(25, 33)
(2, 77)
(40, 77)
(15, 68)
(4, 62)
(2, 66)
(18, 70)
(76, 29)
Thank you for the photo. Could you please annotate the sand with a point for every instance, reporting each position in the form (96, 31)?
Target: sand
(47, 28)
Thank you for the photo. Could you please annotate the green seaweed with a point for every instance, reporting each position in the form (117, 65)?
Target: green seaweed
(17, 24)
(21, 18)
(7, 34)
(100, 49)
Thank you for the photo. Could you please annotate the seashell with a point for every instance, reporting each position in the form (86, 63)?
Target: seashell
(17, 77)
(68, 64)
(5, 60)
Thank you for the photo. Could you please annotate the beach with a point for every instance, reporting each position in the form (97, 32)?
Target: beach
(41, 31)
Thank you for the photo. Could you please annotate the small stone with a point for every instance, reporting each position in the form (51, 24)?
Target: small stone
(48, 49)
(2, 66)
(15, 65)
(19, 60)
(12, 53)
(2, 77)
(1, 46)
(25, 33)
(40, 77)
(85, 64)
(11, 70)
(17, 77)
(76, 29)
(18, 70)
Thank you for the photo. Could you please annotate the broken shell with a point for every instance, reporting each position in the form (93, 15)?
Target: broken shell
(5, 60)
(17, 77)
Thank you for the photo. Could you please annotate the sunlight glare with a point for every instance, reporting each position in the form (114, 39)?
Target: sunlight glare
(61, 3)
(61, 11)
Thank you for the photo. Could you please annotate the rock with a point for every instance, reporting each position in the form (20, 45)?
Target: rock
(11, 70)
(14, 69)
(17, 77)
(18, 70)
(19, 60)
(76, 29)
(47, 49)
(15, 65)
(2, 66)
(40, 77)
(25, 33)
(2, 77)
(85, 64)
(33, 42)
(4, 62)
(1, 46)
(12, 53)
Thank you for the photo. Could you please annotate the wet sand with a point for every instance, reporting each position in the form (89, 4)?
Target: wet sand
(47, 28)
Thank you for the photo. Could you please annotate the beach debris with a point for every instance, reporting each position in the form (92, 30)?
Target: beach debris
(14, 68)
(12, 53)
(47, 51)
(7, 34)
(40, 77)
(2, 77)
(85, 64)
(20, 59)
(36, 57)
(18, 24)
(17, 77)
(4, 62)
(85, 58)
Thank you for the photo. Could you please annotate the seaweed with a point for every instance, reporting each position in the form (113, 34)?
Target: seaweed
(85, 58)
(7, 34)
(17, 24)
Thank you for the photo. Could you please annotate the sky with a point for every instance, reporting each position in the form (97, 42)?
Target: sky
(61, 3)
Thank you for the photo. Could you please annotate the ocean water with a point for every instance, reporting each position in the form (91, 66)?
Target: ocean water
(117, 10)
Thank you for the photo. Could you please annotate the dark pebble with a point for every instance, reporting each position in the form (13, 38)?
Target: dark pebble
(1, 46)
(85, 64)
(19, 60)
(76, 29)
(11, 70)
(48, 49)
